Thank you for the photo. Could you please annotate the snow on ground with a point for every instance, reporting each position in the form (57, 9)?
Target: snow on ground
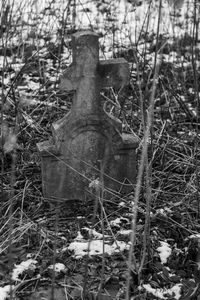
(96, 247)
(58, 267)
(118, 221)
(29, 264)
(125, 231)
(5, 291)
(175, 291)
(164, 251)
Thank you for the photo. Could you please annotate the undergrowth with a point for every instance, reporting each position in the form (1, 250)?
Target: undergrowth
(31, 228)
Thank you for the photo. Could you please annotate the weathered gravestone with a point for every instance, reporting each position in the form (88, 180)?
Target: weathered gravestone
(87, 141)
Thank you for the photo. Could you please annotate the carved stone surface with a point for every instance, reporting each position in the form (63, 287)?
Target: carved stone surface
(88, 142)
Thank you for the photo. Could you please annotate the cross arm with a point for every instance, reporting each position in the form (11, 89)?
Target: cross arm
(70, 79)
(114, 72)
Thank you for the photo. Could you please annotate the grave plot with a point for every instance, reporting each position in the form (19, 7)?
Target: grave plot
(88, 142)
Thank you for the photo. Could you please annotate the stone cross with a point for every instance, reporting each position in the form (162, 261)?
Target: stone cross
(88, 142)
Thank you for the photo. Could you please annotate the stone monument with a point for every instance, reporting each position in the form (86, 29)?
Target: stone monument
(88, 142)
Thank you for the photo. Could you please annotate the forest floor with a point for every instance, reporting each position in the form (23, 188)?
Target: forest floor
(44, 250)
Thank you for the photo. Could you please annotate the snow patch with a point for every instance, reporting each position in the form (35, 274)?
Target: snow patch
(79, 237)
(164, 251)
(23, 266)
(96, 248)
(117, 222)
(94, 233)
(175, 291)
(58, 267)
(125, 231)
(5, 291)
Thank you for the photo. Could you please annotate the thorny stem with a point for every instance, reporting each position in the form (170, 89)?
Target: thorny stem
(102, 225)
(196, 92)
(7, 23)
(149, 166)
(55, 251)
(143, 161)
(89, 243)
